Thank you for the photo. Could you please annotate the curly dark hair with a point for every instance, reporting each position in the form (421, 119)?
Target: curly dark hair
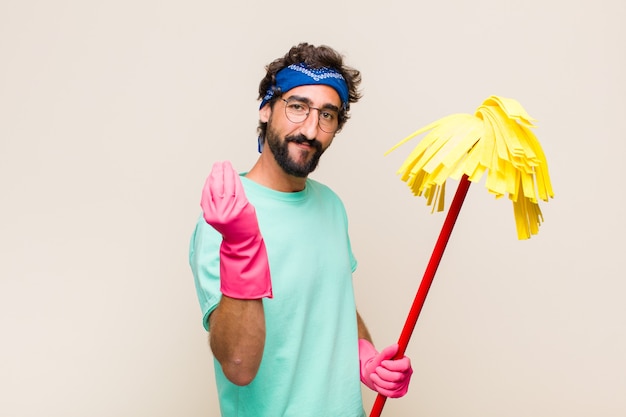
(321, 56)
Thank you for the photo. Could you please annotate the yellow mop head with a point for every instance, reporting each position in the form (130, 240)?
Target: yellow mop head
(496, 139)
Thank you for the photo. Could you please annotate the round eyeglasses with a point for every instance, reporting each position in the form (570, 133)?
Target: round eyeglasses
(297, 111)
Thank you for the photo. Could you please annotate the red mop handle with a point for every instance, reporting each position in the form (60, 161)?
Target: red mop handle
(427, 279)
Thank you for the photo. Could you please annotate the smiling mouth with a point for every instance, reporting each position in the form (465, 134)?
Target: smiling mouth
(303, 142)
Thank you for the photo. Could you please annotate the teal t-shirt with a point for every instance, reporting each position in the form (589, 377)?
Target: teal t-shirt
(310, 365)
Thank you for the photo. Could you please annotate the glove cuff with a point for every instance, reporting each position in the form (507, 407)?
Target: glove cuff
(244, 270)
(367, 352)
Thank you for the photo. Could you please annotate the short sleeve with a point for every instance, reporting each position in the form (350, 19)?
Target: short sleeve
(205, 265)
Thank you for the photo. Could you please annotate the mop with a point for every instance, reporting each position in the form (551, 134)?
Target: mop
(496, 140)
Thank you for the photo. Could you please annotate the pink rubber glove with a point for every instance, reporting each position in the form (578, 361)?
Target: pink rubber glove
(382, 374)
(244, 268)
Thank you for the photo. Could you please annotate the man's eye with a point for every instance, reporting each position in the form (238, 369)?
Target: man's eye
(297, 107)
(328, 115)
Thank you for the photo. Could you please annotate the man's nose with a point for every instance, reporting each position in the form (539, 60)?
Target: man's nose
(310, 126)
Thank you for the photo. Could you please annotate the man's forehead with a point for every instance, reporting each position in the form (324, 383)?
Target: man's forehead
(315, 94)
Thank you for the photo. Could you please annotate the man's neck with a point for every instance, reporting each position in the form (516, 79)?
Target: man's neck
(269, 174)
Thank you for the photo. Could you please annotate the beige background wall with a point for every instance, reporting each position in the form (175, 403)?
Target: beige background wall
(111, 114)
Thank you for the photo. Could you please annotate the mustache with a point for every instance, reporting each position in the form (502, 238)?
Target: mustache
(303, 139)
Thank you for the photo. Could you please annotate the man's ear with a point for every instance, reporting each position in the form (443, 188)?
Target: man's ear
(265, 112)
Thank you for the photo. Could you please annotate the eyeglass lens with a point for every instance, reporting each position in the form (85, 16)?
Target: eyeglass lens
(298, 111)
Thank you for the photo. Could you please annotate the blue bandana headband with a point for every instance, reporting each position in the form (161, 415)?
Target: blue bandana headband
(296, 75)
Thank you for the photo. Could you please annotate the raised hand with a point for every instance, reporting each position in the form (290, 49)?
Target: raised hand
(244, 267)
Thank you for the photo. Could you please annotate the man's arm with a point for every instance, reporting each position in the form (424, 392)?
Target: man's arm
(362, 328)
(237, 325)
(237, 337)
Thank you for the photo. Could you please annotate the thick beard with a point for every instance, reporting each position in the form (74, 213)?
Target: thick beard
(280, 150)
